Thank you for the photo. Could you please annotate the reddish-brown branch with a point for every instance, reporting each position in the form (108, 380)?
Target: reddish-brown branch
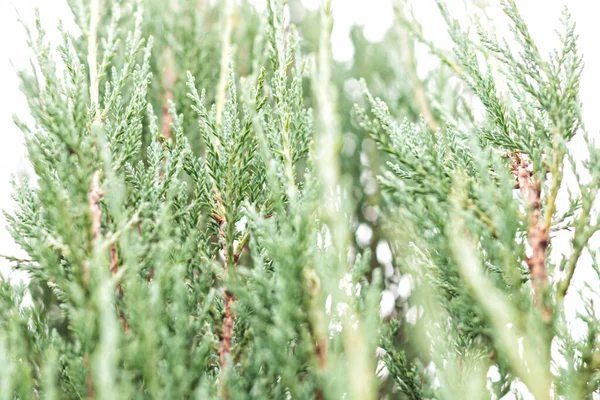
(321, 350)
(317, 326)
(538, 235)
(319, 335)
(114, 265)
(229, 298)
(94, 196)
(114, 268)
(228, 325)
(229, 318)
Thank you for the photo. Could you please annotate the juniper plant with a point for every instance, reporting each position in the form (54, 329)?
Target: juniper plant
(190, 232)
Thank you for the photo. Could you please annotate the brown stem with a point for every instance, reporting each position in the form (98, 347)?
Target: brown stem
(229, 318)
(317, 325)
(94, 196)
(114, 268)
(16, 259)
(228, 325)
(317, 320)
(538, 235)
(321, 351)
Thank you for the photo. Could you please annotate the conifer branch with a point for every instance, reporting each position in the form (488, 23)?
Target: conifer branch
(582, 236)
(311, 307)
(17, 260)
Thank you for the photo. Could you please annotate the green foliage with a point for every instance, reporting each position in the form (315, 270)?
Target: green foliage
(193, 228)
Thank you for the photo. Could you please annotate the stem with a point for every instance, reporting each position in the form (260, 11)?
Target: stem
(240, 247)
(538, 235)
(94, 196)
(578, 246)
(232, 256)
(16, 259)
(554, 187)
(229, 319)
(114, 268)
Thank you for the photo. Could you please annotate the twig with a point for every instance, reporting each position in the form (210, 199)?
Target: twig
(114, 265)
(94, 196)
(317, 321)
(114, 268)
(538, 235)
(229, 318)
(16, 259)
(579, 242)
(231, 258)
(228, 326)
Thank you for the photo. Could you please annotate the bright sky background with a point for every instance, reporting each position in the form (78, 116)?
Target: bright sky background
(375, 15)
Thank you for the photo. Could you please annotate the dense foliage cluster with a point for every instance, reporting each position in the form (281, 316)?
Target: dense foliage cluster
(213, 196)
